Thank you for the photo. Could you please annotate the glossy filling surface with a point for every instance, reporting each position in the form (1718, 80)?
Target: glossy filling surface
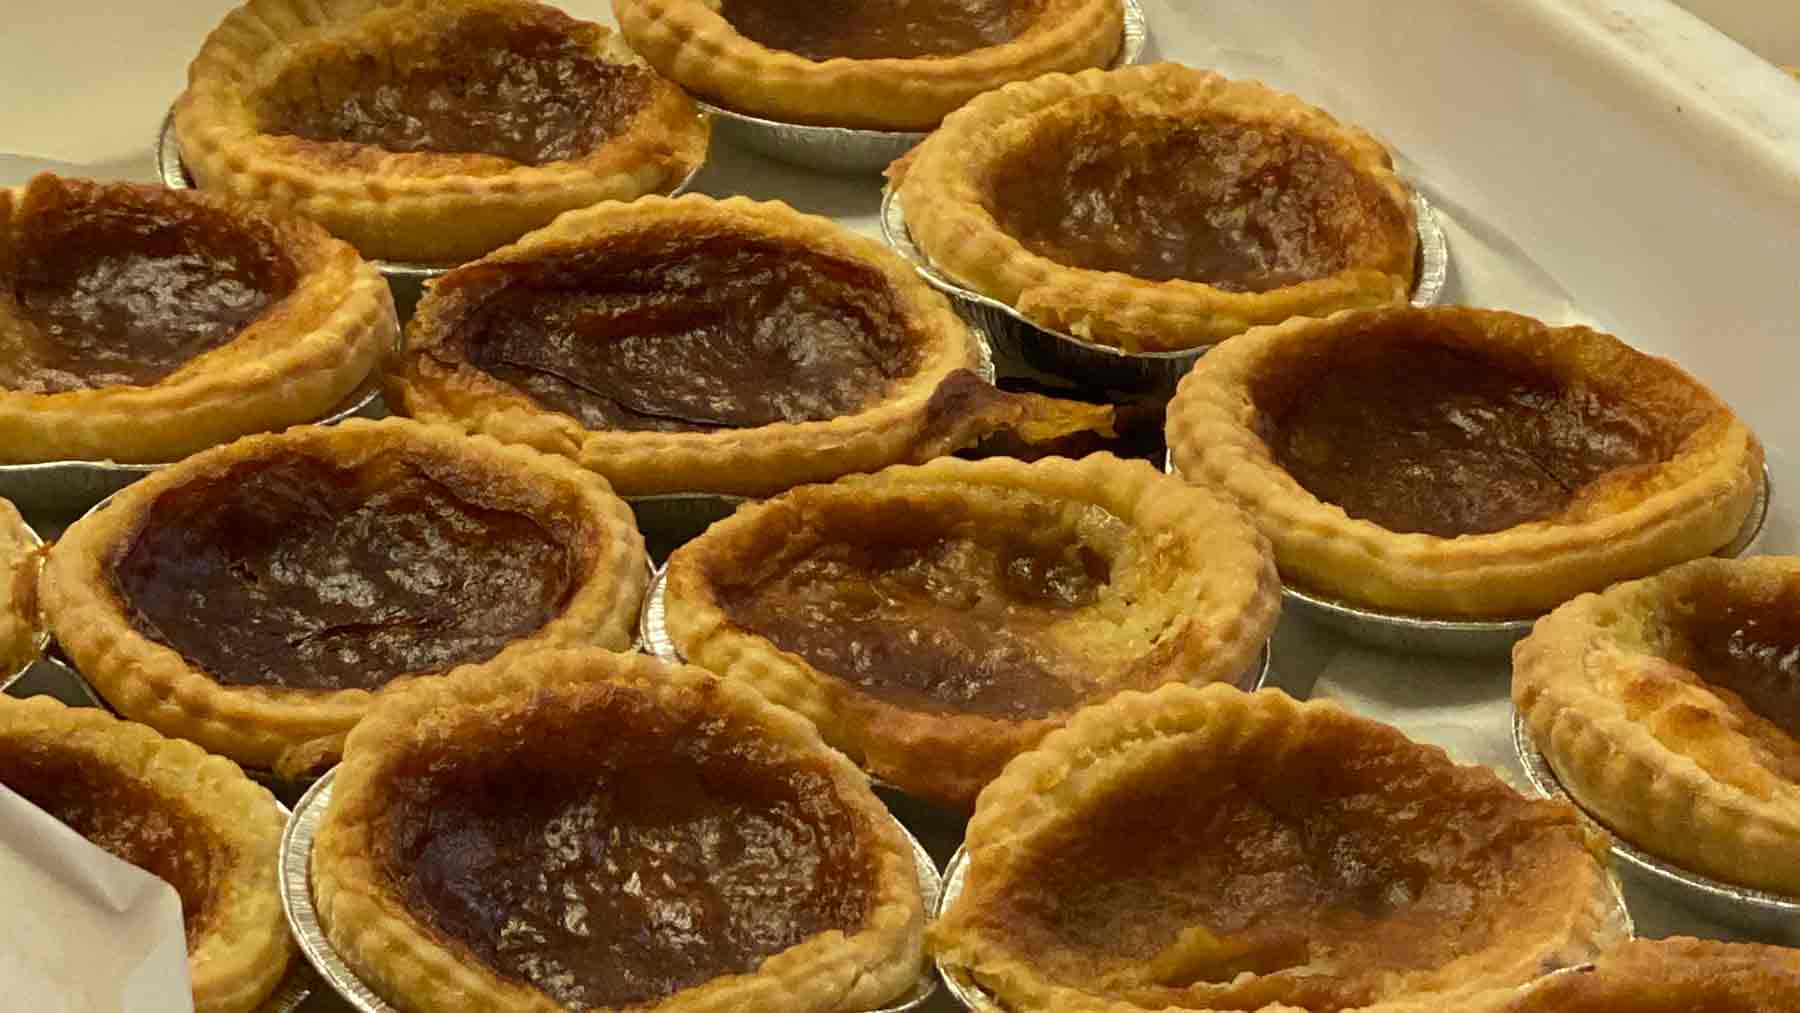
(525, 89)
(876, 29)
(615, 856)
(1747, 650)
(691, 335)
(300, 574)
(925, 613)
(120, 814)
(1321, 875)
(125, 291)
(1417, 436)
(1241, 207)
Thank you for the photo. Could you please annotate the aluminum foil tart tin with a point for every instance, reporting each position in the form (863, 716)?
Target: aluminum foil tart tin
(42, 642)
(848, 151)
(1739, 906)
(295, 872)
(1018, 340)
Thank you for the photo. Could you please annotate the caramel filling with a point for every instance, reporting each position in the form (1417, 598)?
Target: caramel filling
(1416, 436)
(1243, 207)
(877, 29)
(120, 814)
(613, 858)
(675, 334)
(931, 615)
(1747, 650)
(524, 89)
(301, 574)
(119, 290)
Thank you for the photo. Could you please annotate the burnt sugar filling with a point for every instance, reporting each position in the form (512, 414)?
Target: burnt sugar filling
(1417, 435)
(665, 333)
(930, 611)
(120, 814)
(864, 30)
(302, 574)
(526, 89)
(1323, 876)
(619, 853)
(1242, 207)
(118, 289)
(1748, 647)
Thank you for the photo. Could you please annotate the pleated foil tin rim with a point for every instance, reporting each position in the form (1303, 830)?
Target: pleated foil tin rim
(1719, 901)
(294, 869)
(848, 150)
(39, 643)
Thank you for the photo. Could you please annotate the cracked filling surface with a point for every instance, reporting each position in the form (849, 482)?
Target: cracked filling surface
(619, 854)
(1243, 207)
(877, 29)
(300, 574)
(676, 333)
(1418, 436)
(1746, 650)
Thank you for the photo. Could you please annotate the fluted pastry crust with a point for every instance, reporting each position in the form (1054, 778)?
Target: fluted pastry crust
(21, 558)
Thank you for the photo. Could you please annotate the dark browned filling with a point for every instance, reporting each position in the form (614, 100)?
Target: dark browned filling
(612, 855)
(302, 574)
(1240, 207)
(116, 288)
(1347, 855)
(121, 814)
(529, 90)
(676, 334)
(877, 29)
(1748, 647)
(929, 611)
(1419, 436)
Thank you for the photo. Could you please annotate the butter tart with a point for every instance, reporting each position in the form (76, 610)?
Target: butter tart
(1209, 849)
(1676, 975)
(20, 560)
(429, 130)
(1159, 208)
(1669, 708)
(254, 598)
(190, 819)
(140, 324)
(889, 64)
(936, 621)
(688, 345)
(584, 830)
(1455, 462)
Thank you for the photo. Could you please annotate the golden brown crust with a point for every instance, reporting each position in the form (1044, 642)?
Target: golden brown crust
(295, 363)
(433, 380)
(417, 969)
(21, 557)
(278, 727)
(1550, 907)
(243, 947)
(689, 41)
(1649, 746)
(946, 183)
(415, 206)
(1192, 595)
(1626, 523)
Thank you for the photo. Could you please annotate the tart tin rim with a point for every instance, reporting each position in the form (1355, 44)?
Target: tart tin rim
(1719, 897)
(1433, 272)
(294, 868)
(41, 642)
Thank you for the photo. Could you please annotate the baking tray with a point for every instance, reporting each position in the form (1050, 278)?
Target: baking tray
(1017, 339)
(295, 871)
(849, 151)
(1761, 912)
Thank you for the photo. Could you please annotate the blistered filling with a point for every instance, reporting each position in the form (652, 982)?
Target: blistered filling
(300, 574)
(877, 29)
(616, 855)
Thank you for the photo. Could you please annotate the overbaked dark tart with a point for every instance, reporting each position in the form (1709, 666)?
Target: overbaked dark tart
(1208, 849)
(936, 621)
(1159, 208)
(582, 830)
(254, 598)
(141, 324)
(1466, 463)
(884, 64)
(21, 558)
(429, 130)
(193, 820)
(688, 345)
